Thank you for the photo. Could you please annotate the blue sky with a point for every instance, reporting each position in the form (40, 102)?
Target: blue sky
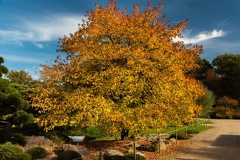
(29, 29)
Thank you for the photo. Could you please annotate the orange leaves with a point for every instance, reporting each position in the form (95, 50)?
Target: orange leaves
(124, 73)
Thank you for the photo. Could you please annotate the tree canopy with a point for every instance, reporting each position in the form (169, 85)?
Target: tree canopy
(123, 72)
(3, 69)
(20, 77)
(227, 68)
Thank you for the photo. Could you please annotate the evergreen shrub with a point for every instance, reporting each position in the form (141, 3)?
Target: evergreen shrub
(37, 152)
(69, 155)
(18, 138)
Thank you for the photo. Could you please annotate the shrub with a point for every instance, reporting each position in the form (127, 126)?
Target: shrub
(223, 112)
(138, 157)
(116, 157)
(9, 150)
(37, 152)
(149, 148)
(18, 138)
(21, 156)
(65, 155)
(21, 118)
(126, 157)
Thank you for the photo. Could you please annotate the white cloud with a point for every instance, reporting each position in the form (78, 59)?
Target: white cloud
(39, 45)
(14, 37)
(203, 36)
(12, 58)
(54, 27)
(44, 29)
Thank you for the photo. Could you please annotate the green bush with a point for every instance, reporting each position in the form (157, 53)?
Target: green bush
(148, 148)
(21, 156)
(18, 138)
(9, 150)
(37, 152)
(116, 157)
(68, 155)
(126, 157)
(21, 118)
(138, 157)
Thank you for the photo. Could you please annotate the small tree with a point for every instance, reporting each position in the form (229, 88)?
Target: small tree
(207, 101)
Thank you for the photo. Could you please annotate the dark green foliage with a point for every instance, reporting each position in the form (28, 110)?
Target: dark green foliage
(227, 68)
(31, 129)
(37, 152)
(5, 134)
(1, 60)
(116, 157)
(3, 69)
(68, 155)
(126, 157)
(13, 99)
(22, 117)
(21, 156)
(18, 138)
(200, 72)
(148, 148)
(138, 157)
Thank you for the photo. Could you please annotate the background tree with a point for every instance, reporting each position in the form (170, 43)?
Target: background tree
(20, 77)
(201, 71)
(123, 72)
(23, 82)
(3, 69)
(227, 68)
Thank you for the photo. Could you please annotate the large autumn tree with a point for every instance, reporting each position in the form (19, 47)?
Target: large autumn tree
(123, 72)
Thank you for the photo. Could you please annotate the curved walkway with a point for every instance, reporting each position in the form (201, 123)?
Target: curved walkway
(222, 142)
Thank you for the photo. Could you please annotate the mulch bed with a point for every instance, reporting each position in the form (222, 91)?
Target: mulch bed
(95, 147)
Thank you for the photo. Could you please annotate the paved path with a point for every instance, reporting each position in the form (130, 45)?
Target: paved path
(222, 142)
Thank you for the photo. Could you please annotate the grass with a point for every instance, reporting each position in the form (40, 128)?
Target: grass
(202, 126)
(194, 128)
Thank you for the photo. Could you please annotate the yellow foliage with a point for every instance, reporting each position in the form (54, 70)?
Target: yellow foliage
(124, 72)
